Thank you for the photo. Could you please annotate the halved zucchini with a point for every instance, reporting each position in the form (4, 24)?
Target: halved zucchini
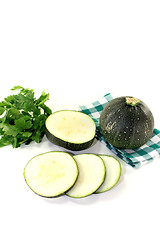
(70, 129)
(51, 174)
(91, 175)
(113, 172)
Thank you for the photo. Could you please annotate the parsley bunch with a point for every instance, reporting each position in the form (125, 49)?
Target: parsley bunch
(22, 117)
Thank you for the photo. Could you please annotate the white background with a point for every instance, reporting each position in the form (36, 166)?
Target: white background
(78, 51)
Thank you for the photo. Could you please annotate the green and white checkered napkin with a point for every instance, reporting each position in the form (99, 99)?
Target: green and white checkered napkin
(134, 157)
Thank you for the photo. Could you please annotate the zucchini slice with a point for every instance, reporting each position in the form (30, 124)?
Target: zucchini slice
(91, 175)
(51, 174)
(70, 129)
(113, 173)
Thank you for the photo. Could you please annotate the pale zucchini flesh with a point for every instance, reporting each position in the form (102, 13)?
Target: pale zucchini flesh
(51, 174)
(70, 129)
(91, 175)
(113, 173)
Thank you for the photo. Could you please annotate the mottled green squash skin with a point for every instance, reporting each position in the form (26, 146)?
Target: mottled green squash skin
(126, 122)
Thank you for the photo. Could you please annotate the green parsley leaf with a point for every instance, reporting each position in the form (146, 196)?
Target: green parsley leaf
(2, 109)
(16, 87)
(22, 117)
(6, 140)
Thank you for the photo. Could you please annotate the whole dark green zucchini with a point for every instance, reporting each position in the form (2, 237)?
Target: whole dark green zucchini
(126, 122)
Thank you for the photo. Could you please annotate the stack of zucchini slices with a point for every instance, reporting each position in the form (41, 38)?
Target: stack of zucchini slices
(56, 173)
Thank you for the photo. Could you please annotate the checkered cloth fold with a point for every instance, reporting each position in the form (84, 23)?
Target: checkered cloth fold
(134, 157)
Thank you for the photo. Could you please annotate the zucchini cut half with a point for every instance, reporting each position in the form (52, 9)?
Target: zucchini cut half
(70, 129)
(91, 175)
(113, 173)
(51, 174)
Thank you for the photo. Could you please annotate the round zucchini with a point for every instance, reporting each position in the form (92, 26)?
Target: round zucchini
(126, 122)
(70, 129)
(51, 174)
(113, 173)
(91, 175)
